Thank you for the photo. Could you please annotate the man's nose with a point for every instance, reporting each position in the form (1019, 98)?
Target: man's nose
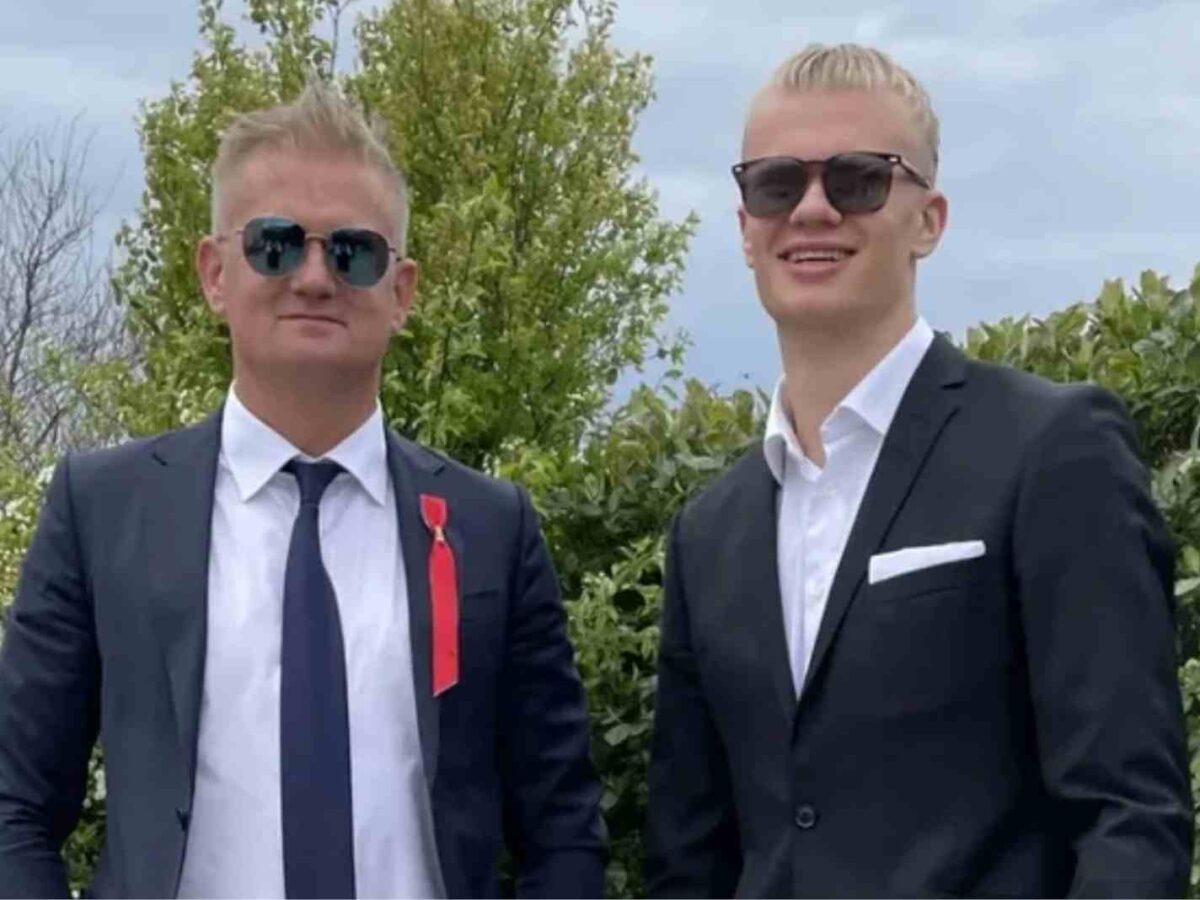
(814, 207)
(312, 276)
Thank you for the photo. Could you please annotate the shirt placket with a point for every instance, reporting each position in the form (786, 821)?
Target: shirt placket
(825, 513)
(795, 508)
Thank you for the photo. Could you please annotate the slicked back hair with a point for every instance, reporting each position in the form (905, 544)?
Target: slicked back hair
(320, 120)
(854, 67)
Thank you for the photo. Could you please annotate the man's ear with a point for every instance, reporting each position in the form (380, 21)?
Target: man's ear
(210, 267)
(404, 291)
(932, 225)
(741, 214)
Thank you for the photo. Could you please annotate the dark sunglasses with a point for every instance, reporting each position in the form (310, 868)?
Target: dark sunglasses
(856, 182)
(274, 246)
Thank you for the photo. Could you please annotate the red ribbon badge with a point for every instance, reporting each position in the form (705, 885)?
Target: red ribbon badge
(443, 595)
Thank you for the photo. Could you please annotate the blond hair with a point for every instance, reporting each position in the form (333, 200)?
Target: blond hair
(854, 67)
(320, 120)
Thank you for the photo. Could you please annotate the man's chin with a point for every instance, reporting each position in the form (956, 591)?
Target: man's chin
(797, 309)
(315, 368)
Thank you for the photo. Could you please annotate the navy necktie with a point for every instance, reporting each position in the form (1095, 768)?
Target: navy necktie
(314, 724)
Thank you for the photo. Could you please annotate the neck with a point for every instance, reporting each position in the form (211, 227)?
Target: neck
(315, 417)
(822, 365)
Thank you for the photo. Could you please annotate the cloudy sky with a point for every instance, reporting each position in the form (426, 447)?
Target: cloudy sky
(1070, 135)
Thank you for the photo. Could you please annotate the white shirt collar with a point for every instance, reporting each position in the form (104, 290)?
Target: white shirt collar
(873, 401)
(255, 452)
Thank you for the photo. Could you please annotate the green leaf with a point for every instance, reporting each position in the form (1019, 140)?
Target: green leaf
(1186, 586)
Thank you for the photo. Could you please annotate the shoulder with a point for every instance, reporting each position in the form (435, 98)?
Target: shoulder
(110, 477)
(721, 499)
(86, 466)
(999, 379)
(115, 465)
(198, 444)
(1040, 408)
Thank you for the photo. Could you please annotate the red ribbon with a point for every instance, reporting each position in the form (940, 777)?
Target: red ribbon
(443, 595)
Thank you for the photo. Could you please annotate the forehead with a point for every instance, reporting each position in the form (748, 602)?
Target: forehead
(815, 124)
(318, 190)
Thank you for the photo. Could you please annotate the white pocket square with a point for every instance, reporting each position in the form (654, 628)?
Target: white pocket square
(911, 559)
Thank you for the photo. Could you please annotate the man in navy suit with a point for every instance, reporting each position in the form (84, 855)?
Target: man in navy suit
(920, 640)
(321, 659)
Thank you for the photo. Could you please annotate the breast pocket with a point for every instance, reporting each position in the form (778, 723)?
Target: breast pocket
(962, 575)
(469, 708)
(931, 639)
(482, 622)
(481, 605)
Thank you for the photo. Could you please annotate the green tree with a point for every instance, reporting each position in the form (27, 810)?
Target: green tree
(21, 487)
(545, 265)
(605, 510)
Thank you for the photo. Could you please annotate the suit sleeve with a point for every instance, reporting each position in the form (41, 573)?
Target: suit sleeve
(1095, 577)
(49, 700)
(691, 840)
(551, 792)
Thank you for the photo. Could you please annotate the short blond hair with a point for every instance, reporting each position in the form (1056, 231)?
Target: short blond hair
(854, 67)
(320, 120)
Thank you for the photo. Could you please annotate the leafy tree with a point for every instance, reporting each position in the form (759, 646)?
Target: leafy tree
(605, 511)
(633, 471)
(545, 266)
(53, 305)
(21, 488)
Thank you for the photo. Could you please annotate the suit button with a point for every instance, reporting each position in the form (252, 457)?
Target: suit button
(806, 817)
(184, 817)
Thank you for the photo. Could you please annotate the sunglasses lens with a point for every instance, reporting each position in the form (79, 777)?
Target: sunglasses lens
(771, 187)
(273, 246)
(357, 256)
(857, 182)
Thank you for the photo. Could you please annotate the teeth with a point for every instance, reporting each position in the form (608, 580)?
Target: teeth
(816, 255)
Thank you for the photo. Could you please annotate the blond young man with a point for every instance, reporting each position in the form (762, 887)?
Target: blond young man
(920, 641)
(323, 661)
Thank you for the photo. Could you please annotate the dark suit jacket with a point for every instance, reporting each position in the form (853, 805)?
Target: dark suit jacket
(107, 632)
(1005, 725)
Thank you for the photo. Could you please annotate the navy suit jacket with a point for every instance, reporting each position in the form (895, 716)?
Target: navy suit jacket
(1008, 725)
(107, 635)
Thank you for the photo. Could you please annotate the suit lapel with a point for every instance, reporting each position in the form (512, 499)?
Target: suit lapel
(756, 557)
(927, 405)
(178, 524)
(413, 473)
(178, 537)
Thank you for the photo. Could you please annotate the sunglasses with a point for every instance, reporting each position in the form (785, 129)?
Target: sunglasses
(274, 246)
(858, 182)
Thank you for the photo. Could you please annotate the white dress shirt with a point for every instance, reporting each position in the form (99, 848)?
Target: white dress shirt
(235, 842)
(818, 506)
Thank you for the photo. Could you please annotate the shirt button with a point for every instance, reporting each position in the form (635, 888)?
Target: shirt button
(806, 816)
